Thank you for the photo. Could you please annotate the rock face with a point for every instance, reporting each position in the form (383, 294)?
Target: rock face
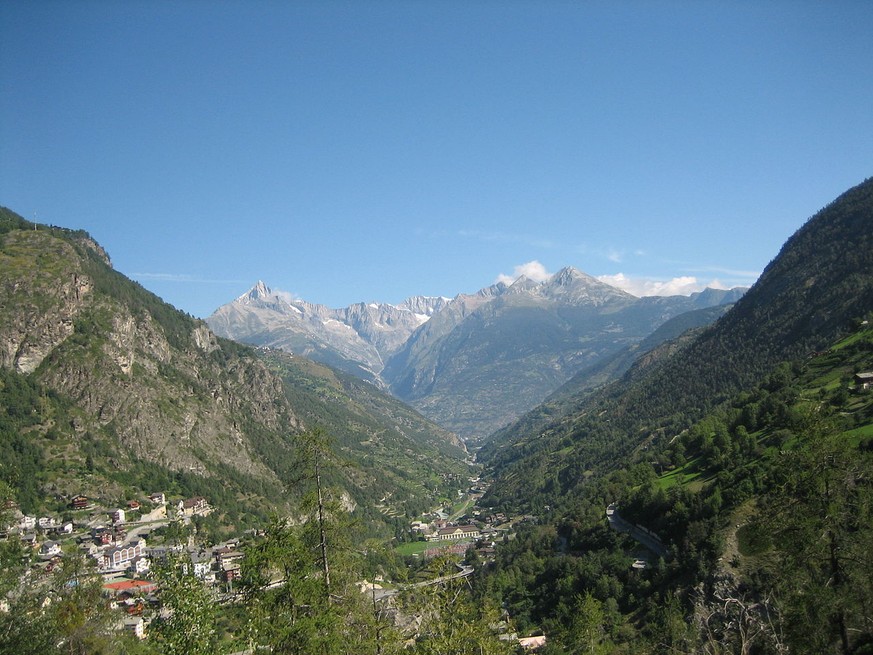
(164, 401)
(131, 381)
(472, 363)
(45, 307)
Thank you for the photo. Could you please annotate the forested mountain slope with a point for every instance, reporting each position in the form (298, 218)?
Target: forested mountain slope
(570, 395)
(763, 511)
(810, 294)
(107, 389)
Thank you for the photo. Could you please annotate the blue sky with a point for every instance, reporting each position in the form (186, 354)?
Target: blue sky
(359, 151)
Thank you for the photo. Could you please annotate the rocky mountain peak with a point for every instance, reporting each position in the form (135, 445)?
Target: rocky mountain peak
(424, 305)
(575, 286)
(258, 292)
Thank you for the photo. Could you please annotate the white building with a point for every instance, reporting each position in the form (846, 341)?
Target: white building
(50, 549)
(135, 626)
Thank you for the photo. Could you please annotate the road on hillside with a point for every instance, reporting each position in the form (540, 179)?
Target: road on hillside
(647, 539)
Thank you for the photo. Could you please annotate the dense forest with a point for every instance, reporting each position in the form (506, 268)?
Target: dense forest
(764, 506)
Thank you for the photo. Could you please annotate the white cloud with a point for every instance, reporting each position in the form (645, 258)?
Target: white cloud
(532, 270)
(678, 286)
(287, 296)
(614, 255)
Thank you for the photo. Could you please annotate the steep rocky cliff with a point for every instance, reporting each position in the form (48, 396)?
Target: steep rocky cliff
(147, 385)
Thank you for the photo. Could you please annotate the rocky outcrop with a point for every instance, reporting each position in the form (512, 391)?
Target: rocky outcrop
(45, 307)
(172, 405)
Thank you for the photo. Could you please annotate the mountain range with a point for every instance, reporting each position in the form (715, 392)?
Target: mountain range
(472, 363)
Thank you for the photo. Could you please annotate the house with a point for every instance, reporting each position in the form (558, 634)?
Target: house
(201, 562)
(532, 643)
(455, 532)
(118, 516)
(65, 528)
(89, 548)
(45, 522)
(230, 571)
(80, 502)
(27, 522)
(864, 380)
(227, 555)
(158, 498)
(133, 504)
(135, 626)
(139, 565)
(194, 506)
(50, 549)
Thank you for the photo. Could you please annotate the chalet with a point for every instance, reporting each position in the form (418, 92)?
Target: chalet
(65, 528)
(80, 502)
(230, 571)
(864, 380)
(118, 516)
(89, 548)
(228, 555)
(50, 549)
(133, 504)
(158, 498)
(194, 506)
(455, 532)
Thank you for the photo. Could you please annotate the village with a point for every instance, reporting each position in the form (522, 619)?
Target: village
(116, 543)
(123, 544)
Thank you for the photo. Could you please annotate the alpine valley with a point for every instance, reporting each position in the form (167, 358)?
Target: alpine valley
(476, 362)
(651, 475)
